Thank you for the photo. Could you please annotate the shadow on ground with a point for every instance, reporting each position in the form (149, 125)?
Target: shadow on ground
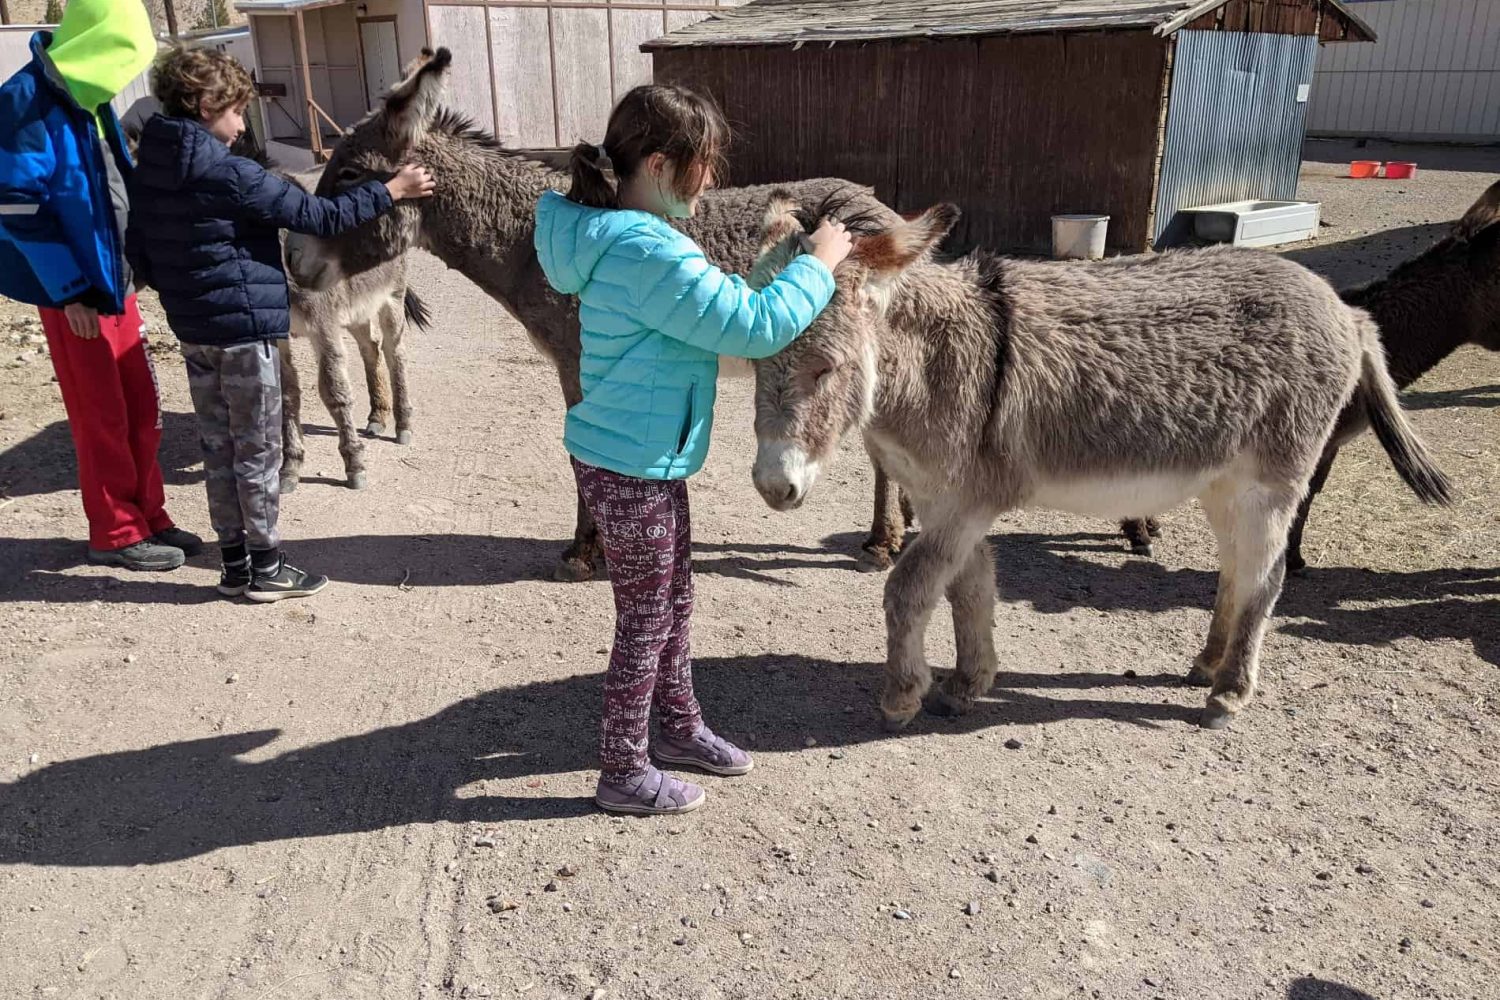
(1312, 988)
(182, 799)
(45, 463)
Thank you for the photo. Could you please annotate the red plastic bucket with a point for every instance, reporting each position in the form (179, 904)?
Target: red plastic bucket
(1361, 169)
(1400, 171)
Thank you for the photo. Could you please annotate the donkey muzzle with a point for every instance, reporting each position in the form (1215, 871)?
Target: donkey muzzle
(783, 474)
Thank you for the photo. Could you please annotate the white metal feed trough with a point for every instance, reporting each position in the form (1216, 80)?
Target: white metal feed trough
(1256, 223)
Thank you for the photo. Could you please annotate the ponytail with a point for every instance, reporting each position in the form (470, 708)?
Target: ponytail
(594, 180)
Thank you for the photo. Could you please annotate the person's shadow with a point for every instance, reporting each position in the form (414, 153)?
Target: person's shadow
(1312, 988)
(177, 800)
(45, 462)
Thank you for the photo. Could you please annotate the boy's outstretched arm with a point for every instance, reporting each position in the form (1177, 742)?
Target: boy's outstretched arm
(274, 200)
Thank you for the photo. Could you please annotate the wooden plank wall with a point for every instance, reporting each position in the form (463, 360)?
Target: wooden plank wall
(1276, 17)
(1013, 129)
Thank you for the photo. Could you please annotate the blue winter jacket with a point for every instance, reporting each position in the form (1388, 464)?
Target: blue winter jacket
(62, 196)
(656, 315)
(204, 232)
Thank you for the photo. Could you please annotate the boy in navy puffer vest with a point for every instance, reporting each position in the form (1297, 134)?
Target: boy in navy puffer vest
(204, 232)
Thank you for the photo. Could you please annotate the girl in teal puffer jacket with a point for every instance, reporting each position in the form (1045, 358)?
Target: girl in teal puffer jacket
(656, 316)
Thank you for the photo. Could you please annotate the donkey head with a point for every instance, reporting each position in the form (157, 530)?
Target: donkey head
(375, 148)
(1478, 234)
(823, 385)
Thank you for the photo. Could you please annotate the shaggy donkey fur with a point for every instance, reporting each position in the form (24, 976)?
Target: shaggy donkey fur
(1426, 309)
(480, 221)
(1117, 388)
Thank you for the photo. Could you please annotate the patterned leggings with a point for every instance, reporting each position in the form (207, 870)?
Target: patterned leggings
(647, 538)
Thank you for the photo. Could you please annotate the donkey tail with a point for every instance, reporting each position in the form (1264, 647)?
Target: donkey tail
(1377, 392)
(416, 311)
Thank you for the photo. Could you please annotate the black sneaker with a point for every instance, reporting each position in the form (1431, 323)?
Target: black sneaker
(235, 578)
(146, 556)
(286, 581)
(189, 543)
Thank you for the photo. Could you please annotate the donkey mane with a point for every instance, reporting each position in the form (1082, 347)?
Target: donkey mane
(453, 122)
(848, 205)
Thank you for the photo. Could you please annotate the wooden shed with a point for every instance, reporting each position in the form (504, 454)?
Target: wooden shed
(1019, 109)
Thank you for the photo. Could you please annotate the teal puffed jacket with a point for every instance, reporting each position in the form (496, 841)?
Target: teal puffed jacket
(656, 315)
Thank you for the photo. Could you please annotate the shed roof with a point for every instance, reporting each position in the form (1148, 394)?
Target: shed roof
(793, 22)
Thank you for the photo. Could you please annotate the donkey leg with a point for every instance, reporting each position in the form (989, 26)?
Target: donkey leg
(1221, 513)
(1295, 564)
(1261, 516)
(887, 532)
(578, 559)
(338, 397)
(972, 596)
(1138, 533)
(394, 322)
(293, 450)
(368, 335)
(911, 593)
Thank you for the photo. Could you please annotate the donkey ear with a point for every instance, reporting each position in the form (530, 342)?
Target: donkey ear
(1484, 213)
(781, 239)
(410, 105)
(898, 247)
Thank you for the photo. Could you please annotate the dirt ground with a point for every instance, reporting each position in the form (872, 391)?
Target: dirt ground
(382, 792)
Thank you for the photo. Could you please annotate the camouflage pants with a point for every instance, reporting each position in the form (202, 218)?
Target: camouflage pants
(237, 396)
(648, 543)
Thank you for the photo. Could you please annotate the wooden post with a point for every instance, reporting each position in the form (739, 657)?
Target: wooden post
(4, 12)
(167, 5)
(314, 128)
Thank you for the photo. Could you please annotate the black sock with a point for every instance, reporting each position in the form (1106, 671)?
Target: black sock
(234, 555)
(264, 560)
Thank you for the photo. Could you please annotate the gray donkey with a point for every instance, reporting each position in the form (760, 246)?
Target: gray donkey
(480, 221)
(1426, 309)
(1109, 389)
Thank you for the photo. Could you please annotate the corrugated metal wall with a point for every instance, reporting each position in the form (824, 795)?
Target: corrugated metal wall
(1012, 128)
(1433, 75)
(1234, 121)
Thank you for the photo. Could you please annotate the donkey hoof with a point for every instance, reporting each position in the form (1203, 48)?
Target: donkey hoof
(948, 706)
(1296, 566)
(403, 437)
(573, 571)
(1198, 678)
(374, 429)
(896, 723)
(874, 561)
(1215, 717)
(289, 483)
(1141, 549)
(357, 480)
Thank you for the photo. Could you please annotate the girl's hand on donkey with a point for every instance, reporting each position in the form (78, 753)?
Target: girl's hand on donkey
(830, 243)
(84, 320)
(411, 181)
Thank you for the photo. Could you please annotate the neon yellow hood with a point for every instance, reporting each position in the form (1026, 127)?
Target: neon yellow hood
(100, 46)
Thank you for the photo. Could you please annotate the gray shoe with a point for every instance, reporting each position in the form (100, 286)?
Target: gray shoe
(654, 793)
(145, 557)
(189, 543)
(705, 751)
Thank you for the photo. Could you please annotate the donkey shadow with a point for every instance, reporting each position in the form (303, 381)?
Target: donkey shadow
(45, 462)
(183, 799)
(1329, 604)
(1482, 397)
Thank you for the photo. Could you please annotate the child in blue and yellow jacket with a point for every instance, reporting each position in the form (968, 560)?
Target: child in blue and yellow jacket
(63, 209)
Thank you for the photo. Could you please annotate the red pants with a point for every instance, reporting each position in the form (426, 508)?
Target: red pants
(109, 389)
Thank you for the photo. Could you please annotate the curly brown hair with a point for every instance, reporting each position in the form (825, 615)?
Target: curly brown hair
(199, 82)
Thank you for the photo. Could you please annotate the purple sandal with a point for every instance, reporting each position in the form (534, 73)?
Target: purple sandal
(706, 752)
(654, 793)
